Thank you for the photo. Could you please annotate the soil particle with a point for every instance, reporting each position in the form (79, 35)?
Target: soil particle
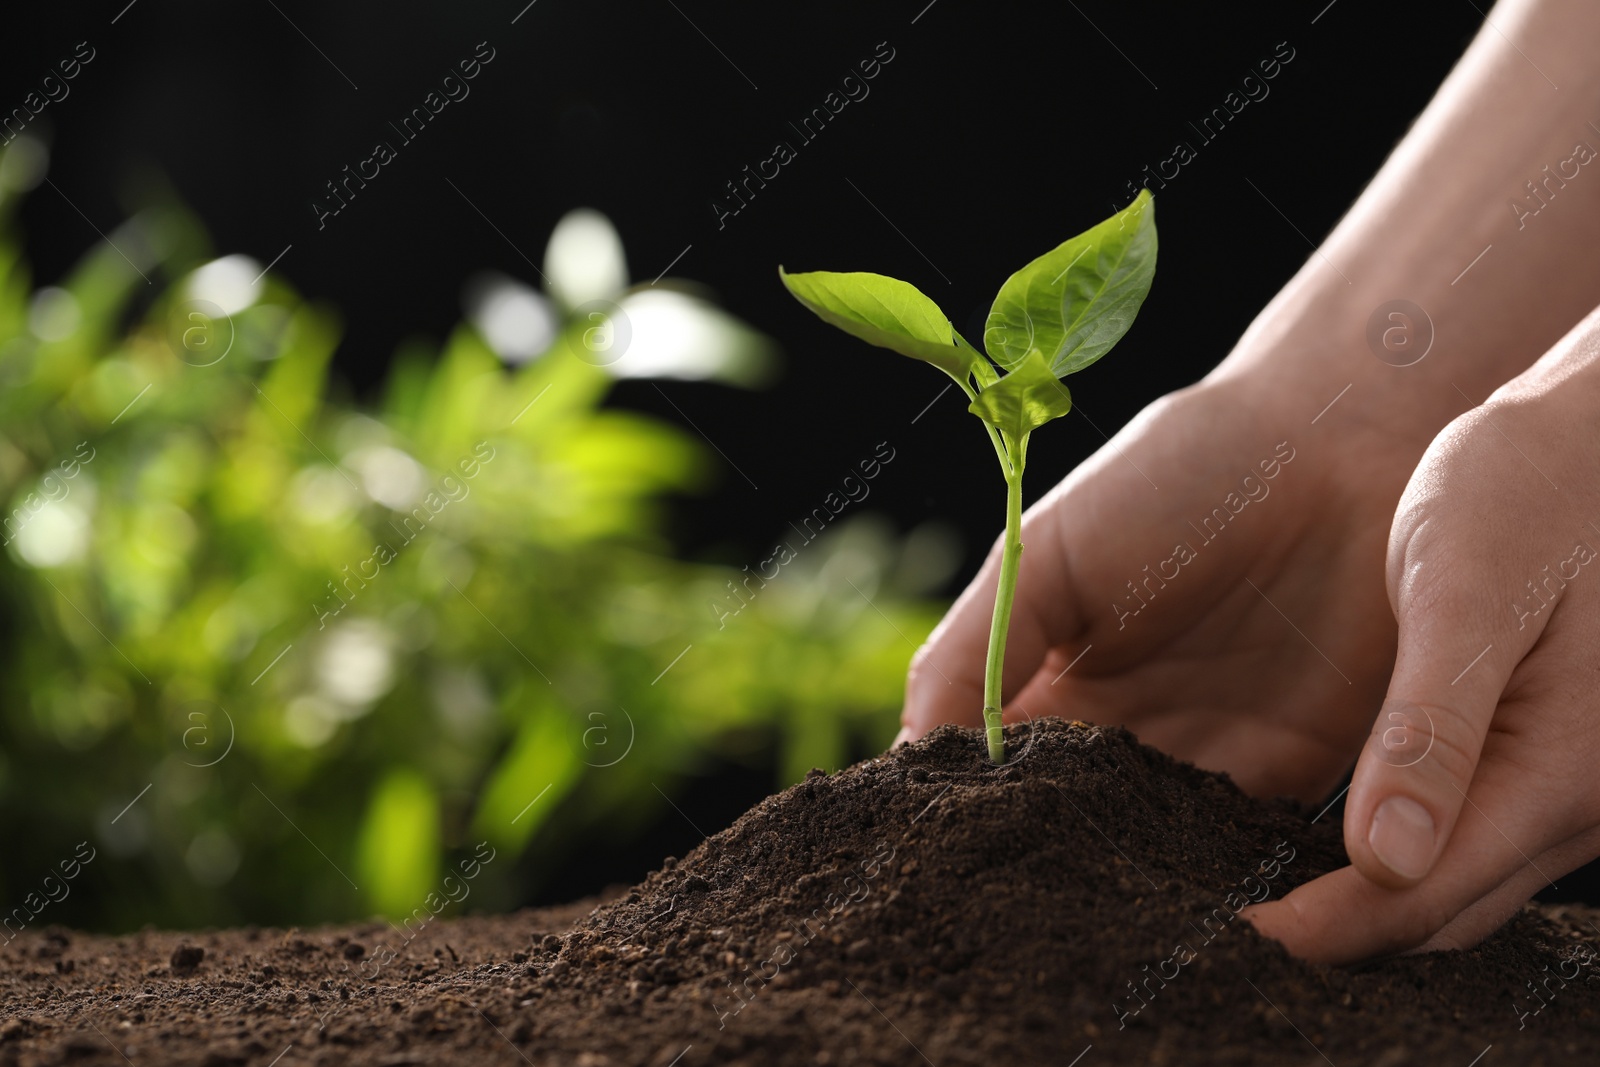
(185, 959)
(921, 906)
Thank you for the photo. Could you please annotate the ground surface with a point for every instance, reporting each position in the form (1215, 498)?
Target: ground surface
(917, 908)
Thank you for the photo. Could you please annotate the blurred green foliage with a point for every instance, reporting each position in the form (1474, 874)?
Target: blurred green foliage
(188, 500)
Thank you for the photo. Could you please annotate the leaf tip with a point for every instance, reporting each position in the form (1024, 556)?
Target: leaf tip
(1145, 201)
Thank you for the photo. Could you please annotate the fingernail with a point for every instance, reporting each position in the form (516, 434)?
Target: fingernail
(1401, 837)
(902, 737)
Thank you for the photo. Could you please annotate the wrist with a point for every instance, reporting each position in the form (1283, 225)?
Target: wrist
(1367, 365)
(1362, 413)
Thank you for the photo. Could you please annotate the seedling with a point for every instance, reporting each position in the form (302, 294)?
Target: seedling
(1050, 319)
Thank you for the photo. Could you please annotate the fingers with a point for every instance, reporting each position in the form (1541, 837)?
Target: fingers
(1488, 914)
(1417, 765)
(1503, 849)
(946, 679)
(1528, 816)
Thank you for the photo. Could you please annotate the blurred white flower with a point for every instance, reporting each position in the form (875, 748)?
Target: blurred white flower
(584, 261)
(355, 665)
(515, 319)
(57, 534)
(675, 335)
(232, 283)
(389, 476)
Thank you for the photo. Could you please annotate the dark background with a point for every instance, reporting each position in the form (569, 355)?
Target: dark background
(997, 130)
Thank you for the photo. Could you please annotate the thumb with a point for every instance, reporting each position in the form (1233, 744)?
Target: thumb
(945, 683)
(1413, 776)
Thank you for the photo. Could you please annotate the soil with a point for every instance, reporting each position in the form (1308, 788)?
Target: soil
(920, 907)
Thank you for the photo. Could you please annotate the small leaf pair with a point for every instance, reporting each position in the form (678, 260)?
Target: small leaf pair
(1050, 319)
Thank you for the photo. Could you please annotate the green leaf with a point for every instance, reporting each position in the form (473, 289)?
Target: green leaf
(540, 765)
(398, 849)
(888, 313)
(1076, 301)
(982, 369)
(1023, 400)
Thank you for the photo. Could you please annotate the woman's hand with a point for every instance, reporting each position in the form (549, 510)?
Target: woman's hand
(1477, 785)
(1268, 649)
(1212, 579)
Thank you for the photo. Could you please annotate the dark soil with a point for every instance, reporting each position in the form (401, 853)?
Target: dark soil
(921, 907)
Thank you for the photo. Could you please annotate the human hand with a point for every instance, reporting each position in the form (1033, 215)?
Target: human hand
(1476, 787)
(1201, 575)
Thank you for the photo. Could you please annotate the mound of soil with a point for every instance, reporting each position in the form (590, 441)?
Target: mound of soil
(1075, 907)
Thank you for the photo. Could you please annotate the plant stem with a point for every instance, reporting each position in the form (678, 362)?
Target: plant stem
(1005, 594)
(1013, 455)
(994, 435)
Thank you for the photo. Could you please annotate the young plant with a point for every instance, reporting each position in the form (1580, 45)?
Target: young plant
(1053, 317)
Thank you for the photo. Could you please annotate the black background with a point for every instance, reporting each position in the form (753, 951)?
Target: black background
(997, 130)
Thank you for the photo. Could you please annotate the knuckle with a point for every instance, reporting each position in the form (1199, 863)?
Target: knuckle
(1407, 735)
(1424, 568)
(1457, 743)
